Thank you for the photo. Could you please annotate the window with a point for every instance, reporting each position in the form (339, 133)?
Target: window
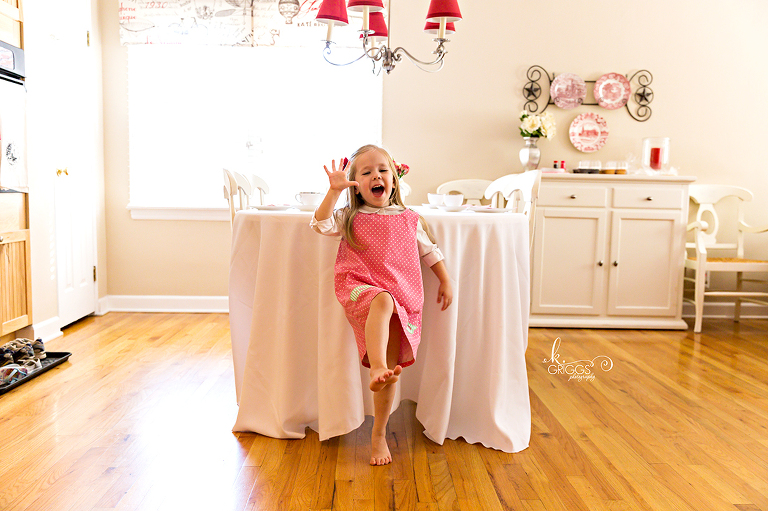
(279, 112)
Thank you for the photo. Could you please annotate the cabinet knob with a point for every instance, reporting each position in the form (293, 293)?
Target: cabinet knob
(573, 196)
(649, 198)
(615, 263)
(1, 239)
(599, 263)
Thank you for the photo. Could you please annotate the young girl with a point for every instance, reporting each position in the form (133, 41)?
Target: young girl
(378, 273)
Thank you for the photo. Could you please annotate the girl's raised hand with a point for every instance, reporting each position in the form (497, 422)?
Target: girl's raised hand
(338, 178)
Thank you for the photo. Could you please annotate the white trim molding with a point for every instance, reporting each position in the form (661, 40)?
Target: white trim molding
(45, 330)
(178, 213)
(158, 303)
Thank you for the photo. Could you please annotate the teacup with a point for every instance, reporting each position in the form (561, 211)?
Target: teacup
(309, 198)
(435, 199)
(453, 200)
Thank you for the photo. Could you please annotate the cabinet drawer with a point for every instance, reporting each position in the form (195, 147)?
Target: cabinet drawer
(569, 195)
(648, 197)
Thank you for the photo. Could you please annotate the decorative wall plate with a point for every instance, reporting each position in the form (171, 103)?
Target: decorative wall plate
(612, 91)
(588, 132)
(568, 91)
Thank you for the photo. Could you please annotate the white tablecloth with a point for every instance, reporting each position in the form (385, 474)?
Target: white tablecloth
(295, 359)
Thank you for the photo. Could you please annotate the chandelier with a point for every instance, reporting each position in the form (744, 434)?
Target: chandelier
(375, 37)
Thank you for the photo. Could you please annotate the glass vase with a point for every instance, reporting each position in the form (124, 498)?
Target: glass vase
(530, 154)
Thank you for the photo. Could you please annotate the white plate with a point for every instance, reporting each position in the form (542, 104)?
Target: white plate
(588, 132)
(612, 91)
(304, 207)
(453, 209)
(568, 91)
(271, 208)
(481, 209)
(430, 206)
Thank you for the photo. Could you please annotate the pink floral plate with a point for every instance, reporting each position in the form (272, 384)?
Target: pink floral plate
(612, 91)
(568, 91)
(588, 132)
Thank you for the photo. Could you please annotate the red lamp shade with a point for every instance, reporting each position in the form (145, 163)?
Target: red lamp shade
(332, 11)
(378, 25)
(432, 28)
(358, 5)
(448, 9)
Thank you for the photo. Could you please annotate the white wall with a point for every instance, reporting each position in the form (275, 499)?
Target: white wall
(709, 66)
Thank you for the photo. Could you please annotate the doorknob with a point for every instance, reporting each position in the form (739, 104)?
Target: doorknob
(59, 172)
(599, 263)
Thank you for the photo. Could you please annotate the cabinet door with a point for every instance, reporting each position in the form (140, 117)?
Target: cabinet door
(646, 263)
(568, 261)
(15, 299)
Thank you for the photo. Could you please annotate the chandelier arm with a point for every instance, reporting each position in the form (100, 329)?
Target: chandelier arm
(441, 53)
(327, 51)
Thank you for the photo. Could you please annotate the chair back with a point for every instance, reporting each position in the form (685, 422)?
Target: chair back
(405, 189)
(230, 191)
(706, 196)
(248, 185)
(520, 192)
(472, 189)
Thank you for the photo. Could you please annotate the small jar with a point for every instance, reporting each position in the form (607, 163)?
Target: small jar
(610, 168)
(595, 166)
(621, 167)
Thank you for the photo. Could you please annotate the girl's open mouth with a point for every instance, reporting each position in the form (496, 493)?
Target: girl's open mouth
(377, 191)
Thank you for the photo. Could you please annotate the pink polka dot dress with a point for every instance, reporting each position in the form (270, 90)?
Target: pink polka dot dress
(388, 263)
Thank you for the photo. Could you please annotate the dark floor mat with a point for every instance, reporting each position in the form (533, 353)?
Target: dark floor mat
(51, 360)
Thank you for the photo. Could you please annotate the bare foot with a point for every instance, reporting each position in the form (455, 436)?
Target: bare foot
(380, 378)
(379, 450)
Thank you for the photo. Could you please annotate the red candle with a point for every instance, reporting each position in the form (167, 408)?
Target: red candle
(656, 158)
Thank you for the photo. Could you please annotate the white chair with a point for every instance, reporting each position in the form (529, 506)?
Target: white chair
(405, 189)
(247, 186)
(706, 237)
(472, 189)
(230, 192)
(519, 192)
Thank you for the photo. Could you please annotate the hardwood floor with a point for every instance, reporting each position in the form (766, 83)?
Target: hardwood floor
(141, 416)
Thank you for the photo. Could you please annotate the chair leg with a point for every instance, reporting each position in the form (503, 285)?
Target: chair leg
(698, 298)
(737, 304)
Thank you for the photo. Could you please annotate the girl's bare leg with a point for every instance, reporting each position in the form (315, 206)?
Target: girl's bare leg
(377, 339)
(382, 381)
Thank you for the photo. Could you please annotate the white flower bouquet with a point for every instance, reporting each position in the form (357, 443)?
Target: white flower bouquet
(537, 125)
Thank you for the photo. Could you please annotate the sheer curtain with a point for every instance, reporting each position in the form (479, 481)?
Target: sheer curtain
(281, 113)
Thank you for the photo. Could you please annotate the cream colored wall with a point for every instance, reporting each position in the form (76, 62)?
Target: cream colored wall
(709, 66)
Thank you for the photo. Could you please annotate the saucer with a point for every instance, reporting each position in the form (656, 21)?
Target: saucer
(304, 207)
(453, 209)
(430, 206)
(271, 207)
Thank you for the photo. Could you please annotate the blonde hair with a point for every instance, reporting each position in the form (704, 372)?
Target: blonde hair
(355, 200)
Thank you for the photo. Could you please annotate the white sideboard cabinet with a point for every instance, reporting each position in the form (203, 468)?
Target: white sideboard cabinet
(608, 251)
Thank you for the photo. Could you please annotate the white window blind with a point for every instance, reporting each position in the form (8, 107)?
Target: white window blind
(281, 113)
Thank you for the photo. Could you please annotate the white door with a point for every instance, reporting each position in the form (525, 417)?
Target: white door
(569, 261)
(65, 87)
(646, 252)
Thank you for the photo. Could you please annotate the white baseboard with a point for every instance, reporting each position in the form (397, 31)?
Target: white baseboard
(725, 310)
(45, 330)
(133, 303)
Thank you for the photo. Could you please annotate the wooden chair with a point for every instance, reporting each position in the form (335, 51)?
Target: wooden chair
(519, 192)
(248, 185)
(706, 237)
(230, 191)
(472, 189)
